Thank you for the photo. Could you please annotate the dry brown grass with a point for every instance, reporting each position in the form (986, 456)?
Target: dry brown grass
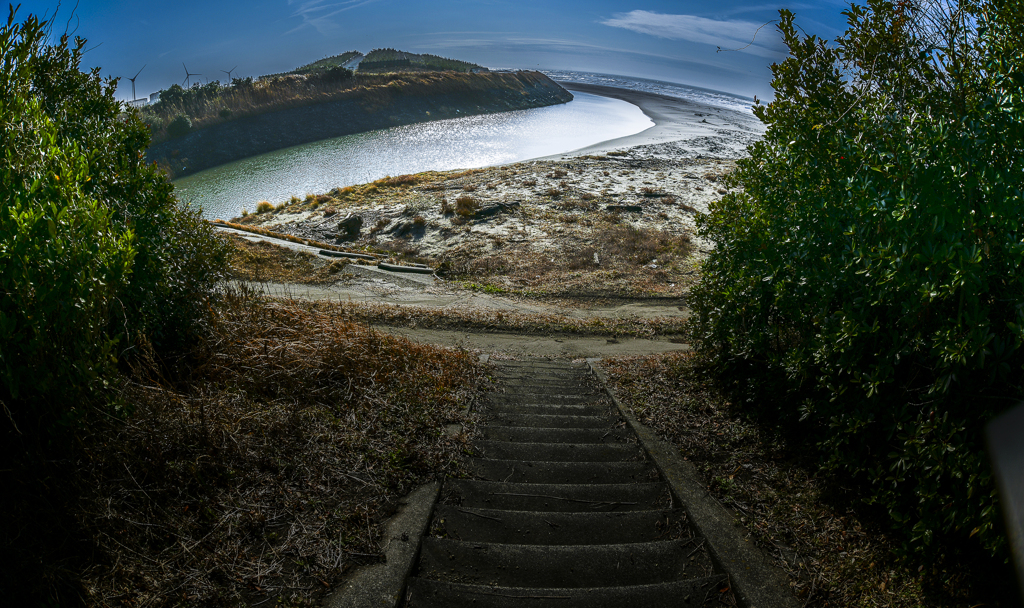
(466, 205)
(280, 235)
(261, 261)
(504, 321)
(265, 469)
(630, 262)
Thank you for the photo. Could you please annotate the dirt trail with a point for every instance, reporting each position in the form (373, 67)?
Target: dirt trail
(374, 286)
(438, 295)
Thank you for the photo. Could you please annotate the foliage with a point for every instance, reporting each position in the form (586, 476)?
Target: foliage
(96, 256)
(386, 59)
(181, 125)
(328, 63)
(874, 259)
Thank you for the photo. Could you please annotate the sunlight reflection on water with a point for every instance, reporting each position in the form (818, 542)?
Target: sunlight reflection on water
(459, 143)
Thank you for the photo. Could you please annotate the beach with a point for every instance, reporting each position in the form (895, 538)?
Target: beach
(711, 131)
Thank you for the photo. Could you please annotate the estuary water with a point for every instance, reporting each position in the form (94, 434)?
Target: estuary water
(458, 143)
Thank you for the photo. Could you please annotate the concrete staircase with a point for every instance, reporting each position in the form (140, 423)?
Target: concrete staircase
(566, 510)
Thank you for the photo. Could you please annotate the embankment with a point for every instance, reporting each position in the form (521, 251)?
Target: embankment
(439, 96)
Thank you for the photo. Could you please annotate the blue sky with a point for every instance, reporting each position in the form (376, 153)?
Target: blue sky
(665, 40)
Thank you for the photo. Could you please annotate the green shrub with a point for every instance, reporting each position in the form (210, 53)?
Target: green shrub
(874, 262)
(181, 125)
(224, 113)
(98, 260)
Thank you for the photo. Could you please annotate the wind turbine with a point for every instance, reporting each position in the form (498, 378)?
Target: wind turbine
(133, 81)
(228, 72)
(188, 77)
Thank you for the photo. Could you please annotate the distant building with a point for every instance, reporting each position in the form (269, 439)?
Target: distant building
(138, 103)
(478, 70)
(155, 97)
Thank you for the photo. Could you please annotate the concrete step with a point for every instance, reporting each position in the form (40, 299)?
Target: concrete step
(543, 398)
(557, 497)
(518, 471)
(541, 365)
(598, 409)
(530, 434)
(423, 593)
(563, 565)
(545, 383)
(557, 527)
(514, 371)
(551, 421)
(559, 452)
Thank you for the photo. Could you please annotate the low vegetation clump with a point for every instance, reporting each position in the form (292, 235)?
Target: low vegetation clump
(400, 180)
(864, 289)
(465, 205)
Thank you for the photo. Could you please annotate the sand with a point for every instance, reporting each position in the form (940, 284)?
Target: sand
(688, 124)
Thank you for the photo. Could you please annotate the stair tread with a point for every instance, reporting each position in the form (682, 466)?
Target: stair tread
(562, 565)
(550, 421)
(560, 452)
(424, 593)
(557, 527)
(494, 469)
(558, 497)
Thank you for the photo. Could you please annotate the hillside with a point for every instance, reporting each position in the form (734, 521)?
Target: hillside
(257, 117)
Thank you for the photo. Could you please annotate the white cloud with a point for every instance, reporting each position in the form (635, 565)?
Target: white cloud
(727, 34)
(318, 13)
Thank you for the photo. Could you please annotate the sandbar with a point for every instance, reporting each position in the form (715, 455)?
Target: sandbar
(712, 131)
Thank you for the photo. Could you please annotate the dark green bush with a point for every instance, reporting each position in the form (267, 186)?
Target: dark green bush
(336, 74)
(874, 261)
(181, 125)
(225, 113)
(97, 257)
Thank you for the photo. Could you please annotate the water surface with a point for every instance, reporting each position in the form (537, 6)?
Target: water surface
(458, 143)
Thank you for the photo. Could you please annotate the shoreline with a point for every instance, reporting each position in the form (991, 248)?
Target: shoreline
(675, 120)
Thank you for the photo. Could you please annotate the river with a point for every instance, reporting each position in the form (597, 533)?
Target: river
(459, 143)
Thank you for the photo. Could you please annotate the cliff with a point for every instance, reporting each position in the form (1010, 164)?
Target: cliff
(402, 101)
